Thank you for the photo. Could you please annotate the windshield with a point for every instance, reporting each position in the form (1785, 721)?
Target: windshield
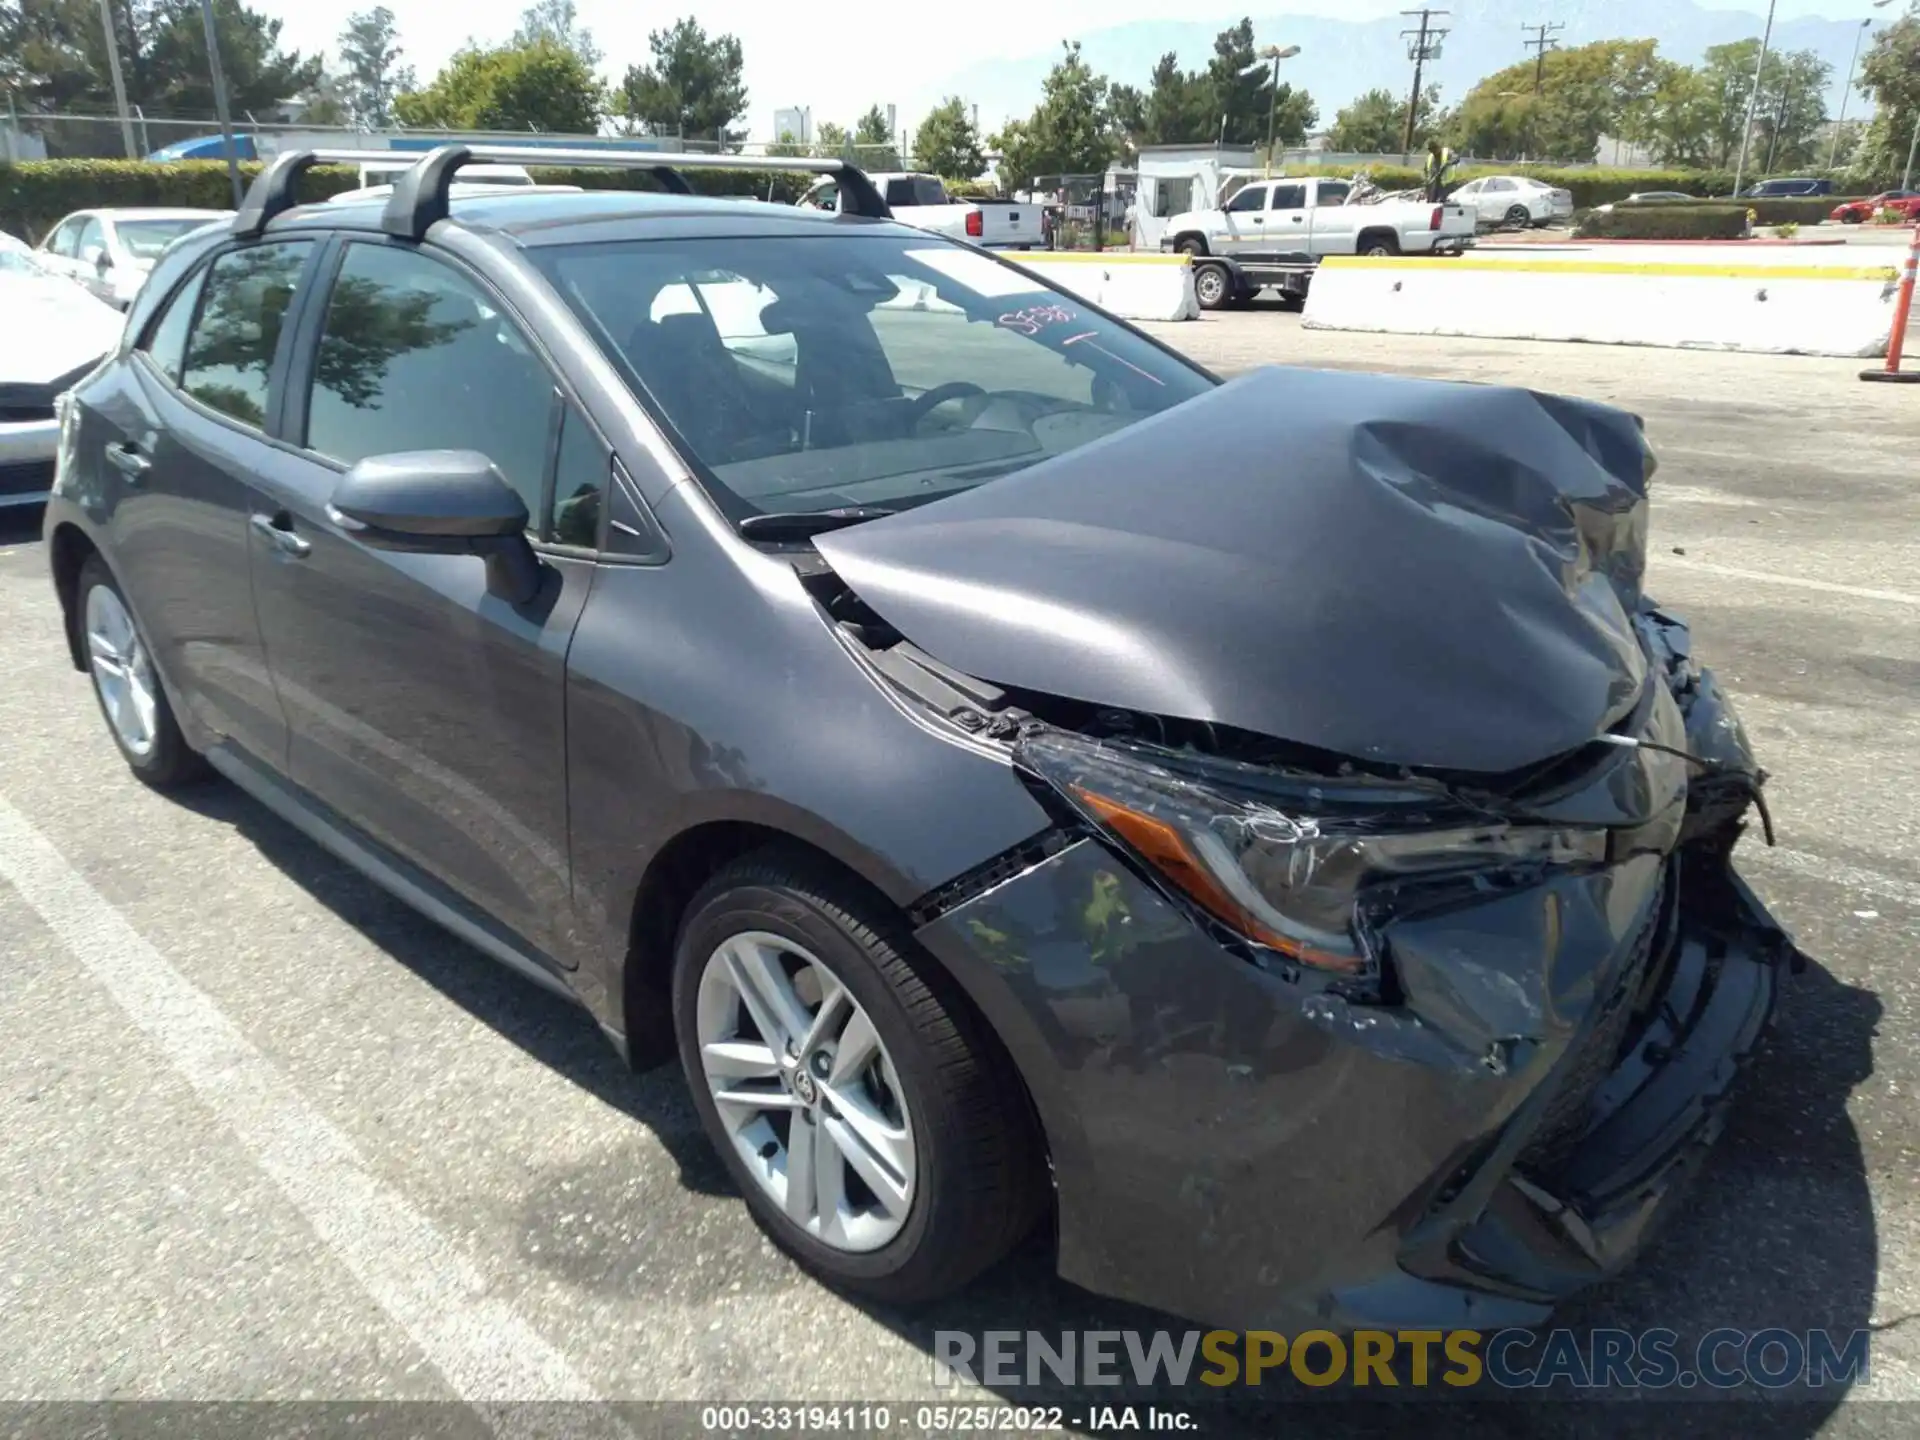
(145, 239)
(858, 370)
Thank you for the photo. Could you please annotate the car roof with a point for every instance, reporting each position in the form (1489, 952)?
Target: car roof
(537, 217)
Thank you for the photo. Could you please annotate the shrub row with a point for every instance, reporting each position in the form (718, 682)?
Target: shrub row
(1781, 210)
(36, 193)
(1664, 222)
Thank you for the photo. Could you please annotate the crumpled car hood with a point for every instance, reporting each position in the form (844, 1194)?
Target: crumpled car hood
(50, 327)
(1408, 572)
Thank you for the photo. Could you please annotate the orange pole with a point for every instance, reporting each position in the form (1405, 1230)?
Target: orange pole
(1902, 307)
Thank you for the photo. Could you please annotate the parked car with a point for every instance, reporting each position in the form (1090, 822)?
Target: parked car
(1273, 233)
(109, 252)
(1649, 197)
(1263, 825)
(922, 201)
(1514, 200)
(51, 333)
(1776, 189)
(385, 172)
(1857, 212)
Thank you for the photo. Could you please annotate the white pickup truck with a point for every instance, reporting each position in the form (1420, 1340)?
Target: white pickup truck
(922, 201)
(1273, 232)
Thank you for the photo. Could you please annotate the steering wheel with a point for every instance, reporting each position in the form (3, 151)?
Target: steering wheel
(926, 403)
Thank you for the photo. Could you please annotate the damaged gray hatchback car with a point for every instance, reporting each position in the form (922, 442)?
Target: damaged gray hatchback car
(1263, 825)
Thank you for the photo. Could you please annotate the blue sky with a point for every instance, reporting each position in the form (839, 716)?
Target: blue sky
(841, 56)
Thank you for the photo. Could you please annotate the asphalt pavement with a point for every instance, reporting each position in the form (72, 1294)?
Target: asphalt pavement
(265, 1135)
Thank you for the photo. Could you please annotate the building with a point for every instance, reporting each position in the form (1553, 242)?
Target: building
(795, 122)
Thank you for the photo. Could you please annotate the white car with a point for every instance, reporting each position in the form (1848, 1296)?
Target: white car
(51, 334)
(377, 173)
(1516, 200)
(109, 252)
(922, 201)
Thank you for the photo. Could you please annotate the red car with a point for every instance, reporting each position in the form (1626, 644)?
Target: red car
(1857, 212)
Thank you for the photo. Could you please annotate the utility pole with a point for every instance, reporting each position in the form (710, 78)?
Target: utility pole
(1753, 99)
(219, 78)
(119, 81)
(1422, 45)
(1542, 42)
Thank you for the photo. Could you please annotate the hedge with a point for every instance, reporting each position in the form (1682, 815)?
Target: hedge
(37, 193)
(1589, 187)
(1665, 222)
(1779, 210)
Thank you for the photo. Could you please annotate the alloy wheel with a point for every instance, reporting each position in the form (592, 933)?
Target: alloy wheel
(122, 671)
(806, 1091)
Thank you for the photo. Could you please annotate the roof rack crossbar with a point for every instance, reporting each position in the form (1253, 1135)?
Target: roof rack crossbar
(420, 194)
(276, 188)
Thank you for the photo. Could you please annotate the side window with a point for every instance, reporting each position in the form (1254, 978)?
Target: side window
(415, 356)
(166, 342)
(1501, 185)
(1289, 197)
(824, 197)
(229, 356)
(1254, 197)
(579, 482)
(62, 240)
(1332, 192)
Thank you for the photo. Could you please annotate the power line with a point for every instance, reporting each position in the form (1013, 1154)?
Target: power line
(1542, 42)
(1423, 45)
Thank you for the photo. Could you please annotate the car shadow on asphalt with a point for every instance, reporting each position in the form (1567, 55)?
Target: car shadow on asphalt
(559, 1035)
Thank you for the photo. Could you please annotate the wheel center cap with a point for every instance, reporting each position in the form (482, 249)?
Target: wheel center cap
(804, 1087)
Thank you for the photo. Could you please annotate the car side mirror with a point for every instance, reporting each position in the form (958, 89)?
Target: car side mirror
(441, 502)
(97, 257)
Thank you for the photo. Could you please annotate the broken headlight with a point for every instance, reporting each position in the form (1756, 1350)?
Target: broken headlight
(1284, 866)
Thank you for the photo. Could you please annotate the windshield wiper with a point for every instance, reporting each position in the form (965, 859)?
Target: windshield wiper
(804, 524)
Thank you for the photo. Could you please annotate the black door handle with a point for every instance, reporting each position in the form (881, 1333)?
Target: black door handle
(128, 460)
(277, 531)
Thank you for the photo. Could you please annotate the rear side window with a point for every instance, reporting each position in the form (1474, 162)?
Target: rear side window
(416, 356)
(1288, 197)
(1331, 192)
(230, 349)
(166, 342)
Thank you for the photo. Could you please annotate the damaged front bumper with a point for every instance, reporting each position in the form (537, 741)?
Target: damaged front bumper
(1507, 1125)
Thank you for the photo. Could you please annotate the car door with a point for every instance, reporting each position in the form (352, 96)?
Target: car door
(1332, 228)
(1287, 218)
(174, 444)
(1244, 227)
(1497, 196)
(422, 707)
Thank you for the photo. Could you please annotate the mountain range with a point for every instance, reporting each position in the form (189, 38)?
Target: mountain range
(1341, 59)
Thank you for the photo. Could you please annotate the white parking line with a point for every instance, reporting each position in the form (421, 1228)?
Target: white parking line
(488, 1354)
(1766, 577)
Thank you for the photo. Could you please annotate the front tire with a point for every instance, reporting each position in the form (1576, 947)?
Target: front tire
(869, 1118)
(127, 686)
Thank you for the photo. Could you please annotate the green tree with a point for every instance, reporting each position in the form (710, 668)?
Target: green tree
(1376, 123)
(1126, 118)
(1174, 111)
(370, 70)
(947, 143)
(52, 56)
(873, 142)
(544, 86)
(693, 88)
(1791, 112)
(1237, 88)
(1890, 73)
(1068, 132)
(832, 141)
(558, 21)
(786, 145)
(1558, 110)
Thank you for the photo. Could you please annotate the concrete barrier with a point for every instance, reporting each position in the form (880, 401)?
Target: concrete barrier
(1132, 286)
(1810, 303)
